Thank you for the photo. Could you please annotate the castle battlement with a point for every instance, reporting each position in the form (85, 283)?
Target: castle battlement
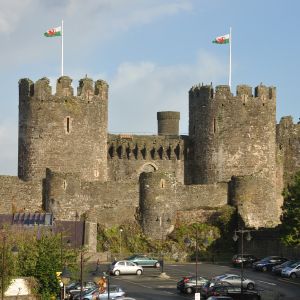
(261, 92)
(145, 148)
(42, 90)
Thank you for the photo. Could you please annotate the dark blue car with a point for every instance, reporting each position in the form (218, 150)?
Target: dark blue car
(267, 263)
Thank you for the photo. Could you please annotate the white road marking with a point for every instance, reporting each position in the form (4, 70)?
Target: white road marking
(270, 283)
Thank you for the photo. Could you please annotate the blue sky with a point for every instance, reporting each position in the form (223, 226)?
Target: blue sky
(149, 51)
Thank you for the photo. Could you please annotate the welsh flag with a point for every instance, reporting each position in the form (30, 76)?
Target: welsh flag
(223, 39)
(52, 32)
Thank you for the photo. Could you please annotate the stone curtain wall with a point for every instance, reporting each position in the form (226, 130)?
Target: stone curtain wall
(106, 203)
(130, 155)
(19, 196)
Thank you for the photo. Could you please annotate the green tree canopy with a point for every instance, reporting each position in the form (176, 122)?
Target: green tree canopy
(291, 213)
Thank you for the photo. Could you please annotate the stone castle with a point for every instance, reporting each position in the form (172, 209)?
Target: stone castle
(69, 165)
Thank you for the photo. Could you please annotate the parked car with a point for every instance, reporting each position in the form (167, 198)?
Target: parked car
(292, 271)
(267, 263)
(226, 289)
(276, 270)
(125, 267)
(115, 292)
(235, 280)
(188, 284)
(74, 288)
(247, 259)
(144, 260)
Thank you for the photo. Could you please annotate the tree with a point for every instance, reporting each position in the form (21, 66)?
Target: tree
(290, 217)
(7, 262)
(40, 257)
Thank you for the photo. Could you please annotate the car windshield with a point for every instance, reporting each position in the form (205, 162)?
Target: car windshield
(294, 265)
(287, 263)
(220, 276)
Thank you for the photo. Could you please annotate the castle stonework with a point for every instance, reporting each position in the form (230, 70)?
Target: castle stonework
(68, 163)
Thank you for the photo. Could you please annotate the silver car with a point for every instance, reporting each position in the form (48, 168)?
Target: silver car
(292, 271)
(235, 280)
(125, 267)
(115, 292)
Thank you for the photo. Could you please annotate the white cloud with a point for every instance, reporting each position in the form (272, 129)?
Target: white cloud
(11, 13)
(139, 90)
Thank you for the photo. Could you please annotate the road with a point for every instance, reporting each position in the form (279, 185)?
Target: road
(150, 286)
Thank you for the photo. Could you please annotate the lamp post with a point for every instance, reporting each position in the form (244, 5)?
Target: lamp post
(65, 277)
(120, 241)
(76, 218)
(248, 238)
(161, 220)
(188, 243)
(81, 274)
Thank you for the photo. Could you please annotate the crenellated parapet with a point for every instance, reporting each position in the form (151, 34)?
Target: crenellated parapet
(131, 147)
(41, 89)
(206, 92)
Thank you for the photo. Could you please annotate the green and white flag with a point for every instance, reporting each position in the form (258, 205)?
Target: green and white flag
(52, 32)
(223, 39)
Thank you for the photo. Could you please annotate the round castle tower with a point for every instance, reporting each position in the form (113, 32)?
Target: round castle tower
(232, 135)
(168, 122)
(156, 190)
(63, 132)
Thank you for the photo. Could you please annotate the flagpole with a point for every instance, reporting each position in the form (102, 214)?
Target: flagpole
(229, 80)
(62, 47)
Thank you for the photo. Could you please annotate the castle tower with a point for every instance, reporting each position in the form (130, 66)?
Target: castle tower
(168, 122)
(156, 188)
(63, 132)
(232, 135)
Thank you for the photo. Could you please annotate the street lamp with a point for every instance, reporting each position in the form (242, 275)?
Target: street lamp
(102, 279)
(188, 243)
(248, 238)
(120, 240)
(161, 220)
(76, 218)
(65, 277)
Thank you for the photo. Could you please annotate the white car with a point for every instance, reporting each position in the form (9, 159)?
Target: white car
(235, 280)
(125, 267)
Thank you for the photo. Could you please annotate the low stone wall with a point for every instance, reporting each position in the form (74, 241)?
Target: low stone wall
(18, 195)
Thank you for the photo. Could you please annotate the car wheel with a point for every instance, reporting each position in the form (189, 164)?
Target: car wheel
(189, 290)
(139, 272)
(293, 275)
(117, 272)
(157, 265)
(250, 286)
(264, 269)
